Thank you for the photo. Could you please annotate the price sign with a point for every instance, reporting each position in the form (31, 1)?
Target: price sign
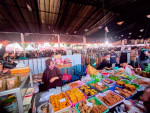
(62, 100)
(99, 83)
(89, 104)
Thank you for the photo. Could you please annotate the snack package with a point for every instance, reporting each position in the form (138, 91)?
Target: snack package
(17, 79)
(2, 84)
(11, 83)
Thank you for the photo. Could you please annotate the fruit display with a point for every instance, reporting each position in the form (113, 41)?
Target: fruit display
(124, 92)
(92, 105)
(110, 98)
(87, 90)
(76, 84)
(59, 101)
(113, 78)
(100, 86)
(75, 95)
(107, 81)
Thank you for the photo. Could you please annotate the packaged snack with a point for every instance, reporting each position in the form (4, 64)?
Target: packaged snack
(2, 84)
(11, 83)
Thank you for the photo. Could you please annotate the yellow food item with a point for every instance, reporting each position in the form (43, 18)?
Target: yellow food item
(75, 95)
(91, 70)
(130, 87)
(87, 90)
(120, 83)
(59, 101)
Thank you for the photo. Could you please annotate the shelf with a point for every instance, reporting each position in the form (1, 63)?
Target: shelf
(17, 91)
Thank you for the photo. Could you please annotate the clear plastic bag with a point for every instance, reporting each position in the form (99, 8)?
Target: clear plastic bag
(11, 83)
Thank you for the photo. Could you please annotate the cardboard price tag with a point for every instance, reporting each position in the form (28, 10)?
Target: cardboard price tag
(62, 100)
(99, 83)
(89, 104)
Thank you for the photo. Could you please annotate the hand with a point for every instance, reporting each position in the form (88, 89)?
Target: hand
(53, 79)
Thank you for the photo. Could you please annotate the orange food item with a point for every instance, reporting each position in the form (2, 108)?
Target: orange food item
(75, 95)
(59, 101)
(74, 84)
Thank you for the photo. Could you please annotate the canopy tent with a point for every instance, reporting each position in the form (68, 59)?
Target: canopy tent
(45, 46)
(29, 48)
(12, 47)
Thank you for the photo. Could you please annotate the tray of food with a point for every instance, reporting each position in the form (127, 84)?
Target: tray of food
(91, 105)
(108, 82)
(123, 75)
(127, 93)
(122, 83)
(105, 74)
(137, 86)
(114, 78)
(76, 84)
(60, 102)
(75, 96)
(98, 86)
(89, 92)
(110, 98)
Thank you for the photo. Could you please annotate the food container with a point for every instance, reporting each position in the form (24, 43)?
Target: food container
(113, 93)
(112, 85)
(87, 95)
(97, 102)
(114, 78)
(138, 87)
(73, 104)
(89, 83)
(65, 107)
(125, 97)
(50, 108)
(125, 81)
(79, 83)
(105, 74)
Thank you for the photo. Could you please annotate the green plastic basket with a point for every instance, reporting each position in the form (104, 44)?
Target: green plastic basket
(97, 102)
(89, 83)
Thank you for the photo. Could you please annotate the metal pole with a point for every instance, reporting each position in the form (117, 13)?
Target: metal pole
(135, 42)
(84, 43)
(14, 48)
(122, 45)
(22, 41)
(58, 41)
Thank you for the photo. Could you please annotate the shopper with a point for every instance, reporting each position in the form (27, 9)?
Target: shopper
(133, 56)
(91, 67)
(105, 62)
(52, 76)
(113, 57)
(144, 58)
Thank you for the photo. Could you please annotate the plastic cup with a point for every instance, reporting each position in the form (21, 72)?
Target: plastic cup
(127, 104)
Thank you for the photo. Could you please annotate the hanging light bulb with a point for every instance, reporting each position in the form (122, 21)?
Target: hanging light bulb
(29, 8)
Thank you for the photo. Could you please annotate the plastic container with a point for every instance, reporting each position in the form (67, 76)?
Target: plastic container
(80, 83)
(50, 108)
(125, 97)
(11, 108)
(115, 103)
(97, 102)
(105, 74)
(89, 83)
(114, 76)
(91, 95)
(129, 82)
(112, 85)
(73, 104)
(64, 108)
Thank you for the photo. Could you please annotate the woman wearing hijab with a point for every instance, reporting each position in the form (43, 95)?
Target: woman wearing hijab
(91, 67)
(52, 76)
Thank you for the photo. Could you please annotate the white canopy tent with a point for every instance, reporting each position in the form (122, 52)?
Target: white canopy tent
(14, 47)
(29, 48)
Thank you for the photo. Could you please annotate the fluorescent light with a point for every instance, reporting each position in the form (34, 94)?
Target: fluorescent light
(120, 23)
(141, 30)
(130, 33)
(85, 30)
(148, 16)
(75, 32)
(122, 35)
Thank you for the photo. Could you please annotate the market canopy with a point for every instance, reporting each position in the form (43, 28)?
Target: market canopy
(29, 48)
(123, 18)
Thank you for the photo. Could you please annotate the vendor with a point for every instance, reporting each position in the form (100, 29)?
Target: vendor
(105, 62)
(52, 76)
(91, 67)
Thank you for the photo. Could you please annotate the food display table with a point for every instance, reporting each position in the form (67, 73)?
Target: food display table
(86, 89)
(17, 91)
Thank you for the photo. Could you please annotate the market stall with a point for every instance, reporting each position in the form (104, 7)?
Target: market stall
(113, 91)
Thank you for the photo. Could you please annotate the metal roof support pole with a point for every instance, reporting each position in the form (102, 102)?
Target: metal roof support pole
(122, 45)
(22, 42)
(58, 41)
(84, 43)
(135, 43)
(14, 48)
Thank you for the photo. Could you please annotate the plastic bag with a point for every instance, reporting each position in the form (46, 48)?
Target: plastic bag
(36, 88)
(11, 83)
(45, 96)
(128, 71)
(58, 90)
(65, 88)
(2, 84)
(49, 105)
(86, 78)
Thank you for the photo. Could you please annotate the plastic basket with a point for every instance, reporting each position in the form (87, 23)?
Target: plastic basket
(115, 103)
(128, 97)
(80, 83)
(64, 108)
(91, 95)
(73, 104)
(89, 83)
(97, 102)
